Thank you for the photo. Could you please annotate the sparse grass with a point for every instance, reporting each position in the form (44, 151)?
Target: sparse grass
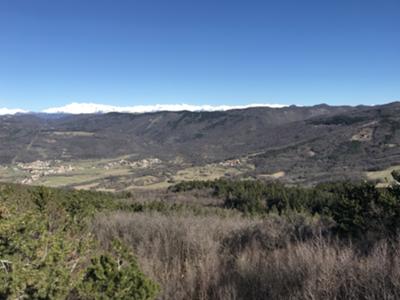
(80, 177)
(207, 172)
(72, 133)
(11, 174)
(383, 177)
(151, 186)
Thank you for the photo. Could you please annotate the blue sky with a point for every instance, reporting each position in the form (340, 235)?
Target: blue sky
(122, 52)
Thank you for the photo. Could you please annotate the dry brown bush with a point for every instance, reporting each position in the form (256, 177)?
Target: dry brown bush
(209, 257)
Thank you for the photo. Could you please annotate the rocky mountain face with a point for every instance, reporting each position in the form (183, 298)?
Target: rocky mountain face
(305, 143)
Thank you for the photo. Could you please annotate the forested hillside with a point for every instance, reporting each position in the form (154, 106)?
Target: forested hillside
(296, 144)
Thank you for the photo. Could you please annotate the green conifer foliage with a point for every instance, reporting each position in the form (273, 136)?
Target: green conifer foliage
(47, 251)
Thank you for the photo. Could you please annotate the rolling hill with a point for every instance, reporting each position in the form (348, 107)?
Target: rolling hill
(296, 144)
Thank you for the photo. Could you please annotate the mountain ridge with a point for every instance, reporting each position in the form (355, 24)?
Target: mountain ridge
(307, 144)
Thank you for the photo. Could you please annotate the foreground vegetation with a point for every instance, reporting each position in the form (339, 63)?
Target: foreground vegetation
(357, 209)
(47, 252)
(201, 240)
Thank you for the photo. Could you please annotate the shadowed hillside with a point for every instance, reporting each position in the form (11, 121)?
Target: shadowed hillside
(301, 144)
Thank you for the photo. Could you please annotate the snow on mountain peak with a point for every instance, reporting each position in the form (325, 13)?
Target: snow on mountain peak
(92, 108)
(8, 111)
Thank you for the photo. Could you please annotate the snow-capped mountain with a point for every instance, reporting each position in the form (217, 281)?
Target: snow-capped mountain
(92, 108)
(8, 111)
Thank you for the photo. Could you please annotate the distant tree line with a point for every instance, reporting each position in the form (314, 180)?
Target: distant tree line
(358, 209)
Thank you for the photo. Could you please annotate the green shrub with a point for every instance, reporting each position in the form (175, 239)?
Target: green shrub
(46, 247)
(396, 175)
(359, 209)
(110, 278)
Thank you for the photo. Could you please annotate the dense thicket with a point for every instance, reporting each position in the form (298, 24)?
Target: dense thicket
(270, 256)
(202, 240)
(47, 251)
(358, 209)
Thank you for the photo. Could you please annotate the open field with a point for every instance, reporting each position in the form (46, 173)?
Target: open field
(383, 177)
(122, 173)
(72, 133)
(129, 173)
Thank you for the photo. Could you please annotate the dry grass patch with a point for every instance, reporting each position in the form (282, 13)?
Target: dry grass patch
(210, 257)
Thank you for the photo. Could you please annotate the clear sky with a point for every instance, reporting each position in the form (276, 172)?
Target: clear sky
(121, 52)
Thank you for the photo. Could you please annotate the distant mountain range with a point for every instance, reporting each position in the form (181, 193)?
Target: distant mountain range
(303, 144)
(95, 108)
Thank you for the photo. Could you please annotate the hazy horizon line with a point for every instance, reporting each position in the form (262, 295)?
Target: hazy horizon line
(93, 108)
